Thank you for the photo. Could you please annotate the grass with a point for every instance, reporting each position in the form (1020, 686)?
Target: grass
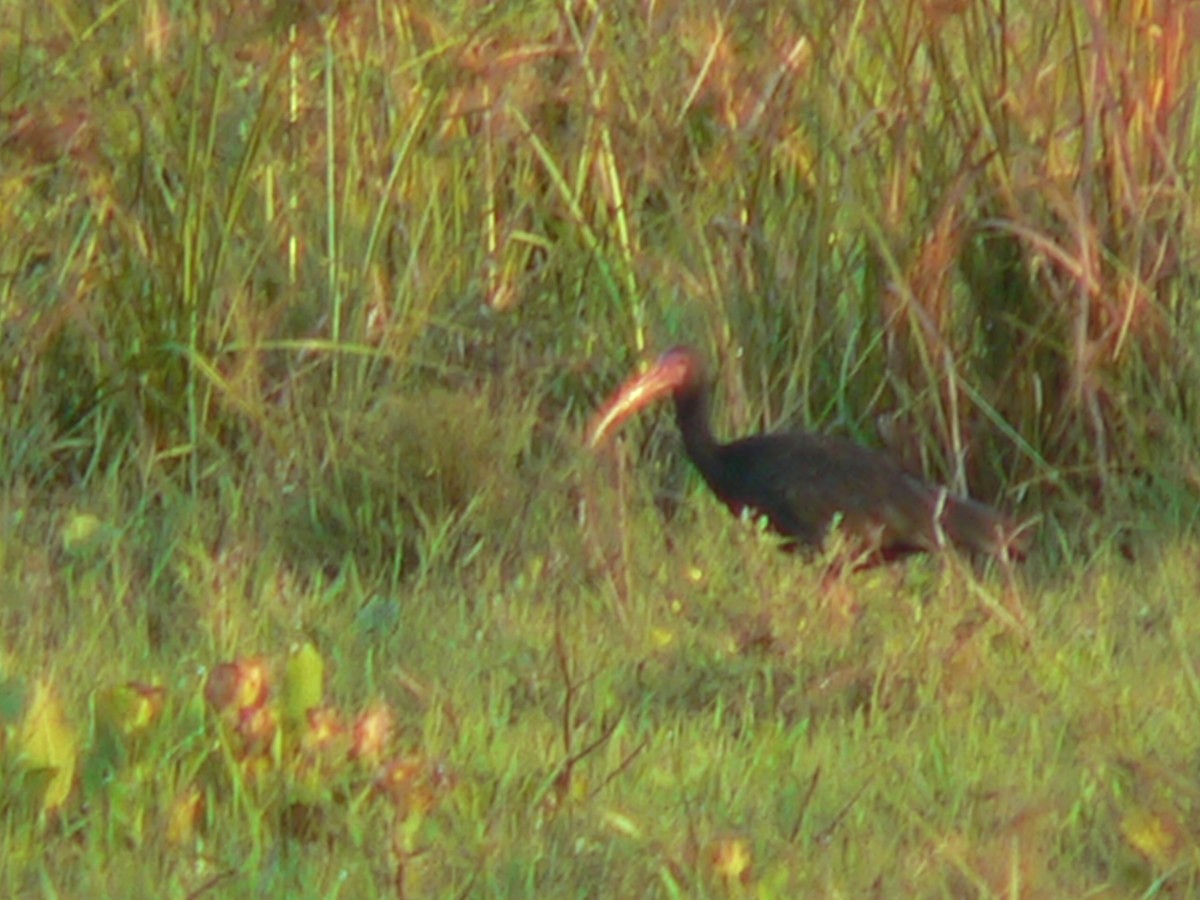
(308, 586)
(884, 730)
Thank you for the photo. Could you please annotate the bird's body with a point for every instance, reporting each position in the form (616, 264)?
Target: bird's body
(802, 481)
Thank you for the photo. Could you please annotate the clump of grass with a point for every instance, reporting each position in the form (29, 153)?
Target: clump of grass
(423, 474)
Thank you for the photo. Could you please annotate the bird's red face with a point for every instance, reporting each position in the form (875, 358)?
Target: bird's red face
(679, 367)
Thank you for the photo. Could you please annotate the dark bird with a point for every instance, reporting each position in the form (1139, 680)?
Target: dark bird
(801, 481)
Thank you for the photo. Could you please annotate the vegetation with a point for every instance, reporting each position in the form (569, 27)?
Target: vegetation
(308, 586)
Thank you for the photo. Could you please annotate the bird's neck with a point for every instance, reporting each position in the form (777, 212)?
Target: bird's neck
(691, 411)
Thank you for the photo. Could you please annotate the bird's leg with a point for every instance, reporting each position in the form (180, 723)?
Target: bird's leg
(939, 510)
(844, 554)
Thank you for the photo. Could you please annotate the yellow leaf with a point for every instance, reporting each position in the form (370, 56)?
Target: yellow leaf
(731, 859)
(79, 531)
(184, 815)
(621, 823)
(47, 742)
(303, 684)
(1157, 836)
(662, 637)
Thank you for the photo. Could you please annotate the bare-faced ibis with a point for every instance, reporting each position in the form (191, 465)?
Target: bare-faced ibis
(801, 481)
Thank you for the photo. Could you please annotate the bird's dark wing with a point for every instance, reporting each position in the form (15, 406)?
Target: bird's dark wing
(800, 481)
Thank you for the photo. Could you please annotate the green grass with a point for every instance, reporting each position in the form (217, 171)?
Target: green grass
(885, 728)
(302, 314)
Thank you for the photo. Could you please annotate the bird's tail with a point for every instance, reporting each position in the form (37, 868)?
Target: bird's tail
(978, 527)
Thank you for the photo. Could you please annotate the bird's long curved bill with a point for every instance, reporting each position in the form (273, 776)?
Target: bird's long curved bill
(633, 395)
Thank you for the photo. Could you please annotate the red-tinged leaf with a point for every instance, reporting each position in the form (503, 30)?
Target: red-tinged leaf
(372, 734)
(184, 816)
(129, 709)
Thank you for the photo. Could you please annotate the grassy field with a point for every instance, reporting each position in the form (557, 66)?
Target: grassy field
(309, 586)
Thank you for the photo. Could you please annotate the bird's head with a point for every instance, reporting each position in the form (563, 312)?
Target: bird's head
(679, 369)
